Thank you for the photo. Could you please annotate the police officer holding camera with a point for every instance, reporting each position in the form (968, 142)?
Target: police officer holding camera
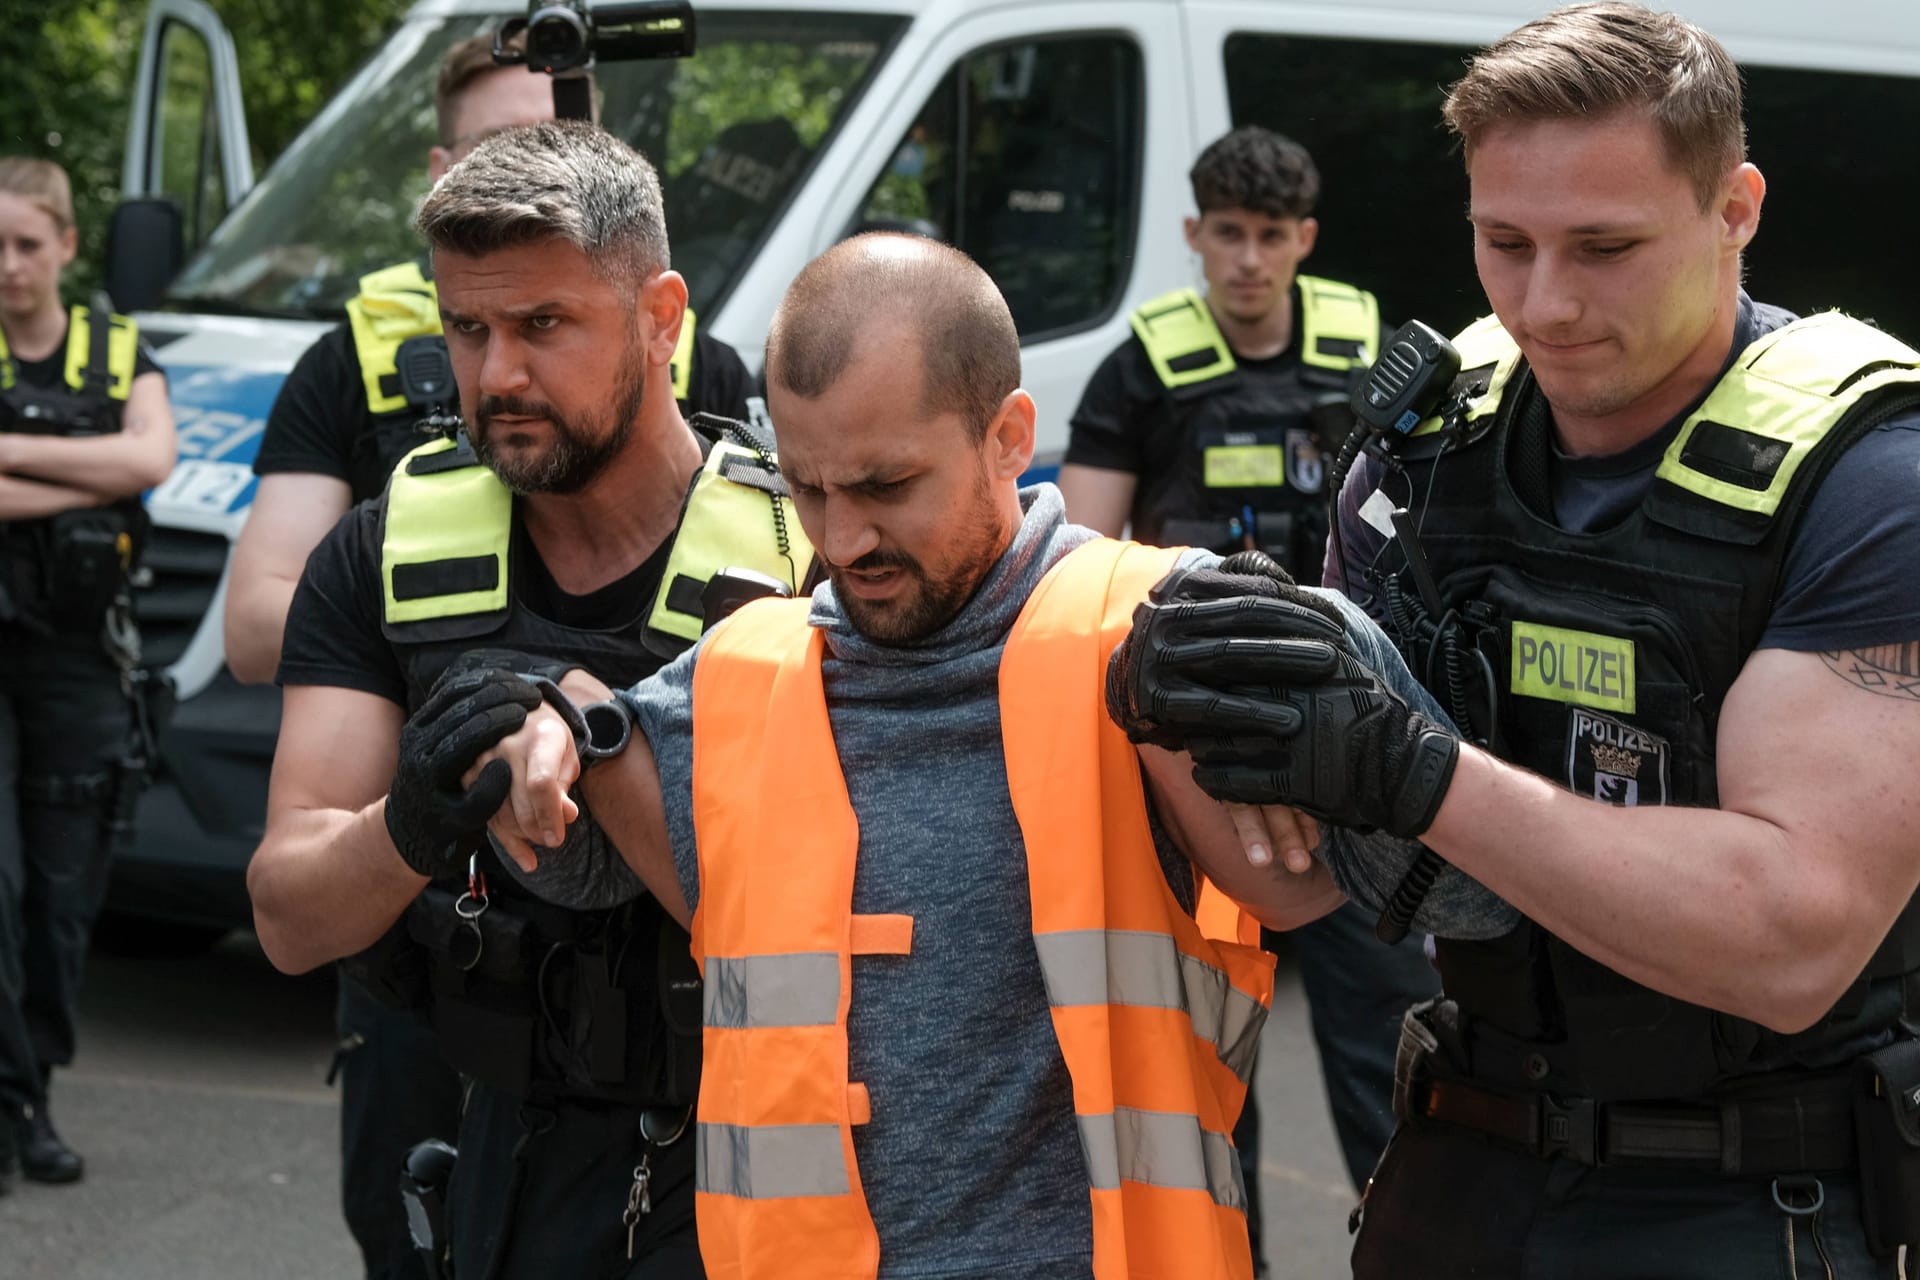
(84, 427)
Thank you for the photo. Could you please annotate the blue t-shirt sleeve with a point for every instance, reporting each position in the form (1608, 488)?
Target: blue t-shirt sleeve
(1848, 580)
(662, 705)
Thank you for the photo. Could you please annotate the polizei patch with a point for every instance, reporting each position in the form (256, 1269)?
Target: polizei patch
(1583, 668)
(1613, 761)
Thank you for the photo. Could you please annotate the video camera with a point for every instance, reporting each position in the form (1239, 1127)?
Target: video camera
(564, 38)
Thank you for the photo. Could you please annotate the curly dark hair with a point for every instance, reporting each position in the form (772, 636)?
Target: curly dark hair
(1257, 169)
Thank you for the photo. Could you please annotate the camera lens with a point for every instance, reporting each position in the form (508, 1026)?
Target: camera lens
(556, 39)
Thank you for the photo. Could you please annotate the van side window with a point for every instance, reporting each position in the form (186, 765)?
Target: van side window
(1837, 226)
(1393, 195)
(1394, 190)
(1027, 157)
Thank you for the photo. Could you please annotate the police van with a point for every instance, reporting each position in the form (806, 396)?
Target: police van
(1049, 139)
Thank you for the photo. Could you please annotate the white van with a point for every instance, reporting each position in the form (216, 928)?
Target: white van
(1050, 139)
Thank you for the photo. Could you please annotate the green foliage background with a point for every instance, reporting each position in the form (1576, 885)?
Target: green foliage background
(67, 78)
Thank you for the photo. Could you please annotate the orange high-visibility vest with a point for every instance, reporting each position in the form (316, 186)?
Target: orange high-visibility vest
(1157, 1023)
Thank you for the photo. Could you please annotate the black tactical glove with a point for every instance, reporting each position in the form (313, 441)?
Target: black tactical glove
(1167, 675)
(1355, 755)
(543, 674)
(1264, 693)
(433, 819)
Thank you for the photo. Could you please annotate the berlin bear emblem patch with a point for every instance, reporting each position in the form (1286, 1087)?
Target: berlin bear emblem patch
(1613, 761)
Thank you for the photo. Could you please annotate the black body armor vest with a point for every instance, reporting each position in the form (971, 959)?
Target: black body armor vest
(1251, 445)
(62, 573)
(529, 997)
(1600, 660)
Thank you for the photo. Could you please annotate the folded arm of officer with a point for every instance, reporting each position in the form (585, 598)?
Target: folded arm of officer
(1767, 907)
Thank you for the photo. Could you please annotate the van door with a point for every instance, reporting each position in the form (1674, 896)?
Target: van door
(187, 136)
(1049, 150)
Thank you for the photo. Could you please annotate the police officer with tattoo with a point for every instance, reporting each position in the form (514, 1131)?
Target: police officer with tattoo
(1211, 426)
(578, 520)
(84, 427)
(343, 419)
(1657, 563)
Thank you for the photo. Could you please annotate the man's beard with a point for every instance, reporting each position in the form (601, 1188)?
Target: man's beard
(926, 606)
(576, 457)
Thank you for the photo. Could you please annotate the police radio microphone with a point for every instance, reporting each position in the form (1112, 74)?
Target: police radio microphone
(1405, 387)
(424, 371)
(1402, 389)
(565, 38)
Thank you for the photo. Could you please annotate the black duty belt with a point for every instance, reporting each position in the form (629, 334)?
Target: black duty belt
(1809, 1130)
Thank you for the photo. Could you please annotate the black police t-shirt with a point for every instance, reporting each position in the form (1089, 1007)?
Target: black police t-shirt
(320, 423)
(334, 637)
(1847, 582)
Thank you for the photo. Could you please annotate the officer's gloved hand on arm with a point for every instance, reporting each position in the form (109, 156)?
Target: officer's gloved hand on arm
(1264, 693)
(1264, 690)
(434, 818)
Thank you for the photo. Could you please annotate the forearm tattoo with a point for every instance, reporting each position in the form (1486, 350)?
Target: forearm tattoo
(1892, 670)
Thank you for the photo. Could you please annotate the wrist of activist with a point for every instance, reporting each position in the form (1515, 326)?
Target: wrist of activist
(601, 730)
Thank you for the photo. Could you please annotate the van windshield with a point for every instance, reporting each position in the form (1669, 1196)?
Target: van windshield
(731, 129)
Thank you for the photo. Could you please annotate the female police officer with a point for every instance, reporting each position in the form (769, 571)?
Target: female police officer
(84, 427)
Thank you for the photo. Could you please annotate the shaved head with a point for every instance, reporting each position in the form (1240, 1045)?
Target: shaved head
(874, 283)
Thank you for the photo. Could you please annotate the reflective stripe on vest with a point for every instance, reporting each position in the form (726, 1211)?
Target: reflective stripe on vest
(443, 553)
(1339, 330)
(1146, 970)
(443, 548)
(730, 522)
(394, 304)
(1084, 968)
(1339, 324)
(1182, 342)
(1782, 395)
(1154, 1021)
(1170, 1151)
(115, 381)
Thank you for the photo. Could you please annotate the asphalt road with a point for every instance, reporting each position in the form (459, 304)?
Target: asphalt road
(199, 1103)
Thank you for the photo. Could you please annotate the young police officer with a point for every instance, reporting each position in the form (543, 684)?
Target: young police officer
(1204, 429)
(337, 429)
(1676, 526)
(84, 427)
(578, 1028)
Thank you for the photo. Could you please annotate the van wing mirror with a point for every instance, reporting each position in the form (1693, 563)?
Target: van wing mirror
(145, 248)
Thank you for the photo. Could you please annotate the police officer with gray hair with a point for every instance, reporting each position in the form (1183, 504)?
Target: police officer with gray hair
(576, 520)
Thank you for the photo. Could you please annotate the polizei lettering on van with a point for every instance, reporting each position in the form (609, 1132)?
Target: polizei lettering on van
(1578, 667)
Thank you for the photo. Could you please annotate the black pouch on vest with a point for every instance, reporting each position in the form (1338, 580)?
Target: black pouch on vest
(681, 1011)
(483, 1009)
(1886, 1119)
(392, 970)
(89, 555)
